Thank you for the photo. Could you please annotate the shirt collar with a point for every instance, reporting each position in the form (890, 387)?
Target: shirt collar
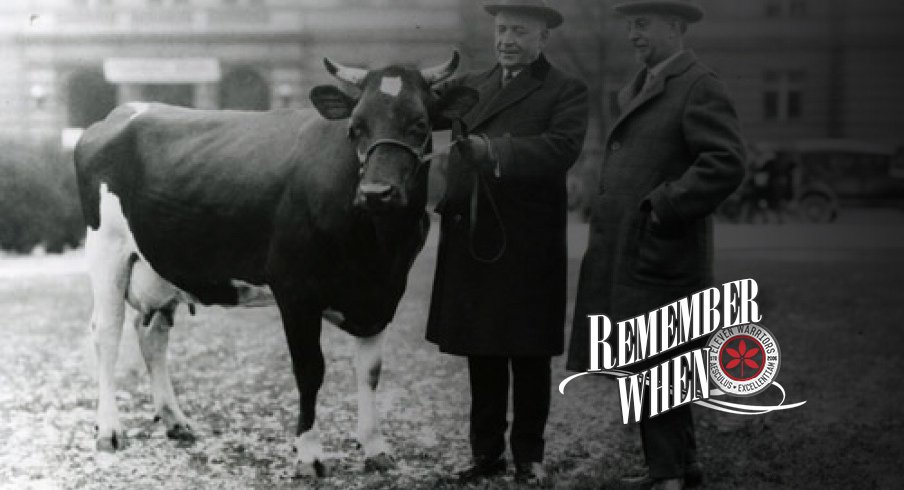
(514, 73)
(517, 71)
(661, 66)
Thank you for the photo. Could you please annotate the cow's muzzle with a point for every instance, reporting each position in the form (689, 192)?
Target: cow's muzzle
(379, 196)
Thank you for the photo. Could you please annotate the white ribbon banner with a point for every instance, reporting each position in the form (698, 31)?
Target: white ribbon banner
(720, 405)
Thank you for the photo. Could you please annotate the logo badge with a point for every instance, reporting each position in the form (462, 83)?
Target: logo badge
(744, 359)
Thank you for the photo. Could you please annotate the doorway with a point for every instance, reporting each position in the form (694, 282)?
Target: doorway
(89, 98)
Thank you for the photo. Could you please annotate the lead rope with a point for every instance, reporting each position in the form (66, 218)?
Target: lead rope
(480, 184)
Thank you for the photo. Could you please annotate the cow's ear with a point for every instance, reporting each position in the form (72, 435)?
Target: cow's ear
(455, 103)
(331, 102)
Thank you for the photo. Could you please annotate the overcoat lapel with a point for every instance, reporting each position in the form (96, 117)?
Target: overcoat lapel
(488, 88)
(629, 91)
(529, 80)
(630, 103)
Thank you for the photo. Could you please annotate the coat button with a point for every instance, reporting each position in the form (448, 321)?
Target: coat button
(615, 146)
(456, 219)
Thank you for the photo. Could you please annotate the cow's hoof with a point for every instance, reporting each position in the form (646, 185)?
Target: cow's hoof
(181, 433)
(379, 463)
(115, 442)
(315, 469)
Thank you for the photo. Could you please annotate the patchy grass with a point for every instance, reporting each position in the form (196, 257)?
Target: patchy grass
(836, 322)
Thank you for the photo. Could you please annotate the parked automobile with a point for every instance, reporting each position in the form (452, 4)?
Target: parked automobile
(808, 179)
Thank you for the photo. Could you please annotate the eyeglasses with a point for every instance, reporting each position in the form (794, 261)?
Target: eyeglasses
(637, 24)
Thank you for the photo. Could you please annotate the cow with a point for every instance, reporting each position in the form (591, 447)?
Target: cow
(321, 214)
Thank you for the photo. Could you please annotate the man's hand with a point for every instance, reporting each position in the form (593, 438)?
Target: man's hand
(475, 149)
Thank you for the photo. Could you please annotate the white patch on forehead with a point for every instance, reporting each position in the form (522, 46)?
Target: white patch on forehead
(391, 86)
(139, 108)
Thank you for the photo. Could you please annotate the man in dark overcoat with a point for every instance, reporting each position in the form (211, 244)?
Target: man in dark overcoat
(499, 290)
(672, 156)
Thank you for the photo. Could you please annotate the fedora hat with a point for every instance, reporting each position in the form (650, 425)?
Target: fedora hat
(690, 10)
(537, 8)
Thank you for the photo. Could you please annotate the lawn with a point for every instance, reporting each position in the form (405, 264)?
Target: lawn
(836, 318)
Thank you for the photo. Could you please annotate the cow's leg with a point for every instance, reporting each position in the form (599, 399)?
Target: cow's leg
(368, 362)
(108, 267)
(302, 327)
(154, 339)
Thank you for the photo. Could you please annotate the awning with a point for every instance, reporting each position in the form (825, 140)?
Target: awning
(162, 70)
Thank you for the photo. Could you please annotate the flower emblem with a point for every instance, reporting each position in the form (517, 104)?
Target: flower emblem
(742, 357)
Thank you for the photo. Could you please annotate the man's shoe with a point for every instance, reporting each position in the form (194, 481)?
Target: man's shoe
(668, 484)
(637, 477)
(640, 477)
(482, 468)
(693, 475)
(531, 474)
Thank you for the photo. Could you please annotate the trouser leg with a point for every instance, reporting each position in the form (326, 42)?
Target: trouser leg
(690, 438)
(668, 442)
(489, 400)
(531, 381)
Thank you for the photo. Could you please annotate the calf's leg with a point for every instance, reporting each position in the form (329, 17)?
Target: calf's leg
(368, 363)
(108, 267)
(154, 339)
(302, 327)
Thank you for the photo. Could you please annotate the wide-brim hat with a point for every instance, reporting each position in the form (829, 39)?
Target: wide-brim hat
(688, 9)
(537, 8)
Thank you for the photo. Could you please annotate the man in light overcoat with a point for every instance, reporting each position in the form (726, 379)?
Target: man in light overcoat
(672, 156)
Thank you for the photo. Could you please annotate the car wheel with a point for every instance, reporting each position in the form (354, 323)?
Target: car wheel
(817, 208)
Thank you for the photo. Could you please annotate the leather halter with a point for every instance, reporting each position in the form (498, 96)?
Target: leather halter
(421, 154)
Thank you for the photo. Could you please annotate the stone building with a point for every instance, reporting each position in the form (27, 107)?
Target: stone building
(796, 68)
(68, 62)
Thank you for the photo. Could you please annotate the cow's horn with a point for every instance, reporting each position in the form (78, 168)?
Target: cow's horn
(348, 74)
(439, 73)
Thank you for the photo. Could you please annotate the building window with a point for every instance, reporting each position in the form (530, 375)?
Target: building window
(174, 94)
(786, 8)
(770, 105)
(773, 8)
(89, 97)
(797, 8)
(783, 96)
(795, 99)
(245, 89)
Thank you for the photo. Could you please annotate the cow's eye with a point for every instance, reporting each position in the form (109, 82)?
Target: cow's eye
(356, 130)
(418, 128)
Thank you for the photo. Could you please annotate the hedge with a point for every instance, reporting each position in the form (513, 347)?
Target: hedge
(38, 200)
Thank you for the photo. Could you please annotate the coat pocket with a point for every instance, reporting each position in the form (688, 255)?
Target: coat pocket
(668, 256)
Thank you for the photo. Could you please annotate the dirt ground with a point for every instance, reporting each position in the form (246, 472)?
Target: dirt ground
(836, 318)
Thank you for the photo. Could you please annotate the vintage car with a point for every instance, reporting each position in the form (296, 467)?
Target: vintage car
(809, 179)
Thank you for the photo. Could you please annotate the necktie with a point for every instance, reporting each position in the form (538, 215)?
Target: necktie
(507, 77)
